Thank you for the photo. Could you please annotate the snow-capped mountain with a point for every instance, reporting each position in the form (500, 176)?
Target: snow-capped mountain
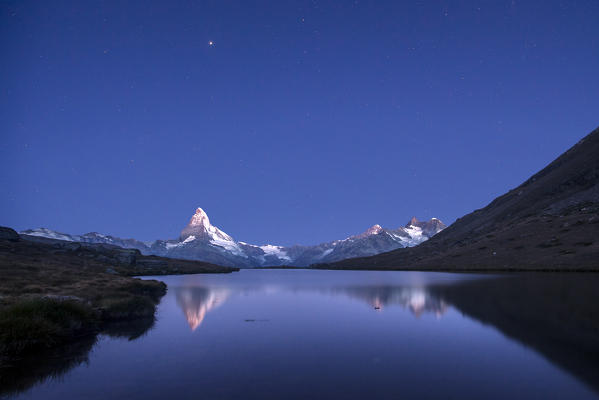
(92, 237)
(200, 240)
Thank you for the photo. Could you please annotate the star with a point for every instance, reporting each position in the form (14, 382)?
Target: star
(211, 43)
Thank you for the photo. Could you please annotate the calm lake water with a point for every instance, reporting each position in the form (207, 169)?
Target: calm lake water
(345, 334)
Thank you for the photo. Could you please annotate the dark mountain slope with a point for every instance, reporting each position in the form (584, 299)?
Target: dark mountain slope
(551, 221)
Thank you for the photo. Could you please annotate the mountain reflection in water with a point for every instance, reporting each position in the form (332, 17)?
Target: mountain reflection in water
(339, 334)
(418, 300)
(197, 301)
(555, 314)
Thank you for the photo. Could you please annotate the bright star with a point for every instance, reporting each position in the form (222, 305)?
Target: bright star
(211, 43)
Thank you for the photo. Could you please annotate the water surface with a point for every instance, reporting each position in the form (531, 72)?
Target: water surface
(348, 334)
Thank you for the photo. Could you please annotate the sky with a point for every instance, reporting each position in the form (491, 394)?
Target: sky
(288, 122)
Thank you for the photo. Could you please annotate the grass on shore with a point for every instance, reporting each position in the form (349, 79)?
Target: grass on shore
(38, 323)
(47, 300)
(29, 323)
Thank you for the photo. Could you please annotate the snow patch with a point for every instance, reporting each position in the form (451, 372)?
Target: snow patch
(326, 253)
(48, 233)
(99, 235)
(276, 251)
(229, 245)
(413, 231)
(416, 236)
(188, 239)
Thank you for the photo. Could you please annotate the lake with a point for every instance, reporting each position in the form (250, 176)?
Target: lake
(342, 334)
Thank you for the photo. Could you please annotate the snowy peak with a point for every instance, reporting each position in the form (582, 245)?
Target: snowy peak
(429, 228)
(373, 230)
(200, 240)
(50, 234)
(199, 226)
(200, 218)
(413, 222)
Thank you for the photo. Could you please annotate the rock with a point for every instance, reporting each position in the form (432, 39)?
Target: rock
(9, 234)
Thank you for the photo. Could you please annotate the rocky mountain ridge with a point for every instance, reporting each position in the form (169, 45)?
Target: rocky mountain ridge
(200, 240)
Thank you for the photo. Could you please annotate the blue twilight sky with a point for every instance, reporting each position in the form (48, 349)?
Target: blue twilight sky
(305, 121)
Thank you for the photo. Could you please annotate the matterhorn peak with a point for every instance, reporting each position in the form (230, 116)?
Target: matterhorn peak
(200, 218)
(199, 226)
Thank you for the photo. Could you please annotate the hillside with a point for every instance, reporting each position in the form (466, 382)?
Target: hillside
(550, 222)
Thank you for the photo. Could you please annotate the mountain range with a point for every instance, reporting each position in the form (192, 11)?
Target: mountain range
(200, 240)
(549, 222)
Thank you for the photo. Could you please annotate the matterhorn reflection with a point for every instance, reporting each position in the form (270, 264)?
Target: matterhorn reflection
(196, 301)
